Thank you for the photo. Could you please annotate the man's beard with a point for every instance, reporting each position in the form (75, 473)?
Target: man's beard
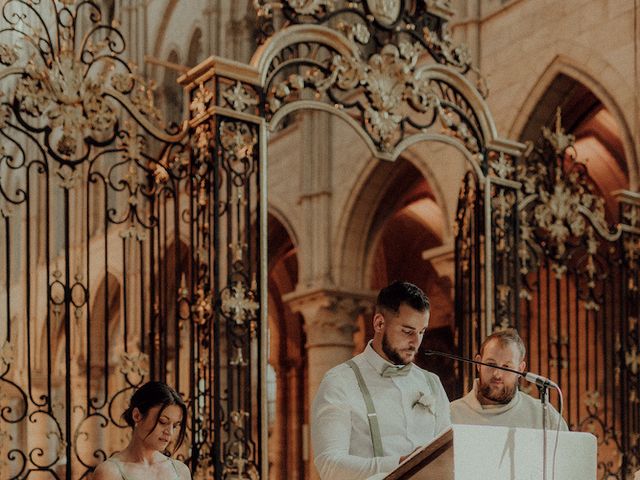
(502, 396)
(392, 354)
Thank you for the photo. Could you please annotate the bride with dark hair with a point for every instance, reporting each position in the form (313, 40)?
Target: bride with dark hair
(157, 415)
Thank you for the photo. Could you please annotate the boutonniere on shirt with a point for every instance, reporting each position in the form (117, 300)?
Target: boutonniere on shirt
(425, 400)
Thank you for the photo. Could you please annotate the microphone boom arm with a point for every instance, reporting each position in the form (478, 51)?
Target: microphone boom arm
(528, 376)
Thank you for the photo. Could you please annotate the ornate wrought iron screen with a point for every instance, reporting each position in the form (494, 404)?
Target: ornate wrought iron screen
(567, 281)
(579, 299)
(129, 253)
(486, 263)
(390, 69)
(228, 180)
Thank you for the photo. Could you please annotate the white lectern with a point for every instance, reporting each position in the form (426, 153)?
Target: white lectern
(469, 452)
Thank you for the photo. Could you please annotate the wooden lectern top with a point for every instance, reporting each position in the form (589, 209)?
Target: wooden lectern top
(426, 457)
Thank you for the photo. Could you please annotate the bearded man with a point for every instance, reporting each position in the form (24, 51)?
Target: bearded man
(374, 410)
(495, 398)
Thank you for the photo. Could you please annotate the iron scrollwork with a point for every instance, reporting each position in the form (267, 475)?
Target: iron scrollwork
(572, 263)
(571, 290)
(561, 209)
(238, 307)
(379, 78)
(374, 23)
(469, 218)
(629, 342)
(226, 177)
(88, 310)
(504, 241)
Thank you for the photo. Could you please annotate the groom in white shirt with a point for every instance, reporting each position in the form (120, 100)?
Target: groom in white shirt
(371, 412)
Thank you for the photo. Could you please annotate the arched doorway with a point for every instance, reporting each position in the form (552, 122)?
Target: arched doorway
(287, 360)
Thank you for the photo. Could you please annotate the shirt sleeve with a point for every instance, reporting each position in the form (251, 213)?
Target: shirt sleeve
(331, 436)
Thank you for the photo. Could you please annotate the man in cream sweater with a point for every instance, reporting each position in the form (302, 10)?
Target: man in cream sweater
(495, 398)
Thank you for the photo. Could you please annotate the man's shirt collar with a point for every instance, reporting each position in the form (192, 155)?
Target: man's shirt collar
(383, 367)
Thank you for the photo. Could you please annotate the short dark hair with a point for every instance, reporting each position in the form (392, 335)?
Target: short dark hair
(504, 338)
(152, 394)
(397, 293)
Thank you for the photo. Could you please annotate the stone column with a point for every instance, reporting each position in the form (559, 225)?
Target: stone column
(330, 320)
(315, 200)
(293, 457)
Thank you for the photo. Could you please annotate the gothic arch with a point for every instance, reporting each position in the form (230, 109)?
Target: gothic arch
(283, 275)
(164, 24)
(105, 316)
(425, 159)
(600, 85)
(278, 213)
(286, 355)
(171, 91)
(394, 216)
(356, 231)
(194, 51)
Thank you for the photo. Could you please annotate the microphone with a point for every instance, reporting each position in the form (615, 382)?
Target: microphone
(539, 380)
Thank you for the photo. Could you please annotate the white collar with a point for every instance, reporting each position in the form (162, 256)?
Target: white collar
(378, 363)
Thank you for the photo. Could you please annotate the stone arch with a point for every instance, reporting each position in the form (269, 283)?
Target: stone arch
(600, 86)
(164, 24)
(278, 214)
(417, 224)
(171, 91)
(353, 232)
(104, 319)
(425, 157)
(195, 51)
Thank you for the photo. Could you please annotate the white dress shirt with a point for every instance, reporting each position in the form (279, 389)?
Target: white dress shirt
(411, 409)
(523, 411)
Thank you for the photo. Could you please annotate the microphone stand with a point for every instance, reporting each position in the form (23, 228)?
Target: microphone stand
(544, 397)
(541, 382)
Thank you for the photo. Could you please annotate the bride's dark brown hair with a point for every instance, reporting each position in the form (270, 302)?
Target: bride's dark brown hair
(152, 394)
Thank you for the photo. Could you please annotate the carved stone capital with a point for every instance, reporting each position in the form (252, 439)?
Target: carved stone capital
(330, 315)
(442, 259)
